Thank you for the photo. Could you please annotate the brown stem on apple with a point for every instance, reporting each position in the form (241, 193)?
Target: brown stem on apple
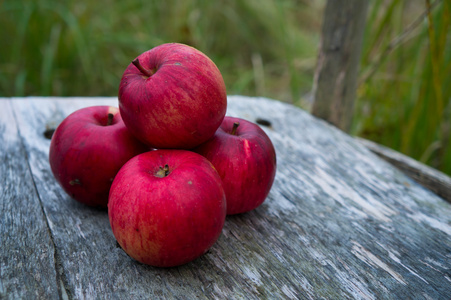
(110, 119)
(163, 171)
(234, 128)
(143, 70)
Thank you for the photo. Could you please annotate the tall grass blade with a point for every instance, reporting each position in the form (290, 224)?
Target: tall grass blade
(48, 60)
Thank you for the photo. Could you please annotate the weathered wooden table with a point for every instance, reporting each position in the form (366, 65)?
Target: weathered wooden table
(339, 223)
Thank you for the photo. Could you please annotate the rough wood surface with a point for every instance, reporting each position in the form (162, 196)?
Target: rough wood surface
(338, 61)
(430, 178)
(339, 223)
(27, 265)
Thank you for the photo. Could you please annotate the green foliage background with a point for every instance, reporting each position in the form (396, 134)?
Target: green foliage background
(262, 47)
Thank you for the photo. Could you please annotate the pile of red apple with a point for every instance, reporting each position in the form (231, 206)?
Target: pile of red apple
(167, 163)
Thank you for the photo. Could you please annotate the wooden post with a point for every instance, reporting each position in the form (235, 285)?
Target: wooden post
(335, 80)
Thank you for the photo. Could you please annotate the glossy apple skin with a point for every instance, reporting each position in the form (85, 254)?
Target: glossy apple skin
(245, 161)
(181, 105)
(167, 221)
(86, 153)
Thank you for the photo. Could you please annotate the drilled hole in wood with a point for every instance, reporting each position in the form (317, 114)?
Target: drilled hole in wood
(48, 133)
(263, 122)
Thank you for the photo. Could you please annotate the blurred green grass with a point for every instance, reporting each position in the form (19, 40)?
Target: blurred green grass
(263, 48)
(404, 96)
(82, 47)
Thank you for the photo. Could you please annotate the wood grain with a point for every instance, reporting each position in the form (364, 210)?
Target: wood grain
(339, 223)
(430, 178)
(335, 79)
(27, 265)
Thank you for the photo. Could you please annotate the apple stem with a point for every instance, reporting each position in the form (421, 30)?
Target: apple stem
(234, 128)
(138, 65)
(110, 119)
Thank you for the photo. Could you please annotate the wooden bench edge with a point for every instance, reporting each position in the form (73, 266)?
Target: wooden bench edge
(432, 179)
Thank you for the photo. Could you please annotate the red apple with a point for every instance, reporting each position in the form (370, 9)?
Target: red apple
(167, 207)
(245, 158)
(87, 150)
(172, 96)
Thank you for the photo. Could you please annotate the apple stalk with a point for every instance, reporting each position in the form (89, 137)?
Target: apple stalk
(143, 70)
(234, 128)
(110, 119)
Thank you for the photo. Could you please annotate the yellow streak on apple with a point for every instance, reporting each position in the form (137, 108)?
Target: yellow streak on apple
(247, 148)
(112, 110)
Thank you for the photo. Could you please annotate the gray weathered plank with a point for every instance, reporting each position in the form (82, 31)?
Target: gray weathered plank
(430, 178)
(27, 265)
(338, 223)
